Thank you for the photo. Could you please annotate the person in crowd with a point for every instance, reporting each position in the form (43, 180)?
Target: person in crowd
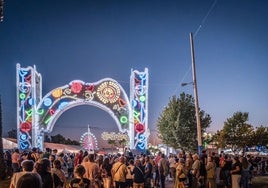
(92, 171)
(245, 173)
(163, 169)
(119, 171)
(27, 167)
(216, 159)
(172, 166)
(57, 171)
(61, 157)
(79, 181)
(8, 162)
(225, 166)
(138, 173)
(129, 175)
(43, 167)
(156, 178)
(236, 172)
(85, 159)
(154, 166)
(148, 171)
(47, 153)
(52, 158)
(203, 172)
(181, 174)
(33, 155)
(70, 166)
(24, 156)
(106, 174)
(188, 165)
(78, 158)
(249, 158)
(29, 180)
(195, 171)
(15, 158)
(211, 173)
(54, 152)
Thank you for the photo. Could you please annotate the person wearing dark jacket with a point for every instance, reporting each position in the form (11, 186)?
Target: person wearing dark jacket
(138, 172)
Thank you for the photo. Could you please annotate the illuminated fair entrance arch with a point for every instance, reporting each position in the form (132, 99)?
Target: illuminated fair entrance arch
(37, 115)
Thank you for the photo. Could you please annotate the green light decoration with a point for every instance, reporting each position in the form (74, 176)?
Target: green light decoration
(142, 98)
(123, 119)
(40, 111)
(136, 114)
(22, 96)
(48, 119)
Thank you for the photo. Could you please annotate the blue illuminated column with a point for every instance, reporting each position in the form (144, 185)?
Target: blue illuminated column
(29, 83)
(139, 106)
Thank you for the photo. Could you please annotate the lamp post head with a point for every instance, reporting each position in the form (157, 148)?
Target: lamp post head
(184, 84)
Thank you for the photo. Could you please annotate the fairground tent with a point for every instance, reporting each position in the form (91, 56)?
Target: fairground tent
(11, 143)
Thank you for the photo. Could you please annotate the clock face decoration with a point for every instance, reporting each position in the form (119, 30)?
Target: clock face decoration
(88, 141)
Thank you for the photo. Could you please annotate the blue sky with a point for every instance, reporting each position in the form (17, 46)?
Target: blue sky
(91, 40)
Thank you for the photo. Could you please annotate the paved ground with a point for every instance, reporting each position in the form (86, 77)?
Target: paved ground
(258, 182)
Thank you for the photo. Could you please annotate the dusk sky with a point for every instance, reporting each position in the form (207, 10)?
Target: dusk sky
(92, 40)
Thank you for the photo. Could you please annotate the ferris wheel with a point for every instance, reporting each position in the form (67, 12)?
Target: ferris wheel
(88, 141)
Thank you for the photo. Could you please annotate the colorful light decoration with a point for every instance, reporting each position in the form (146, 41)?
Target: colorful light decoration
(88, 141)
(37, 115)
(138, 98)
(28, 79)
(108, 92)
(114, 136)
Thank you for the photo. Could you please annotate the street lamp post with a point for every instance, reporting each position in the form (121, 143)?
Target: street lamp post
(194, 82)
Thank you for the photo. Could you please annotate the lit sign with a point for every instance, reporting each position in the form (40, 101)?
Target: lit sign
(139, 108)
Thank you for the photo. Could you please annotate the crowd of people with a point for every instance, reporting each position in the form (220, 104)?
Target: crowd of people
(53, 169)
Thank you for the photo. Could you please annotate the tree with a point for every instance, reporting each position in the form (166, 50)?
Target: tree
(47, 138)
(58, 139)
(259, 137)
(237, 132)
(2, 161)
(12, 133)
(177, 123)
(218, 139)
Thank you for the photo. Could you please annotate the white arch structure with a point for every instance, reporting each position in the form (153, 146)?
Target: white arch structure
(37, 115)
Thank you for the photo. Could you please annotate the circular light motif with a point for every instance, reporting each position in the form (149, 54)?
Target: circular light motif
(24, 87)
(22, 96)
(47, 101)
(25, 127)
(56, 93)
(76, 87)
(108, 92)
(142, 98)
(62, 104)
(139, 128)
(123, 119)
